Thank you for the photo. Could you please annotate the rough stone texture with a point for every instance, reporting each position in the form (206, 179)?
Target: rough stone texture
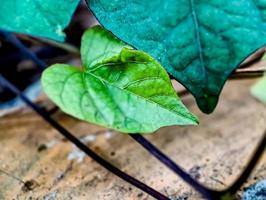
(215, 152)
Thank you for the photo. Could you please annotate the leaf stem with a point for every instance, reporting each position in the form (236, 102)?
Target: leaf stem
(64, 46)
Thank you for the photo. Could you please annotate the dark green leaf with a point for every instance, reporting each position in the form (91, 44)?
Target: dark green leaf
(120, 88)
(199, 42)
(36, 17)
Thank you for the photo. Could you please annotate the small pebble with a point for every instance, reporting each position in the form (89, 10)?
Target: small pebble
(29, 185)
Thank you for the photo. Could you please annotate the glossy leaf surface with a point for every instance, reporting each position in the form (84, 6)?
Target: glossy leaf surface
(119, 88)
(199, 42)
(36, 17)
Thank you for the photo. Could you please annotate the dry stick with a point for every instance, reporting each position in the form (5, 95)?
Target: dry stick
(252, 59)
(12, 176)
(81, 146)
(241, 73)
(249, 73)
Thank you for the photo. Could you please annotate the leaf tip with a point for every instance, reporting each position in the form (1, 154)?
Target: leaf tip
(207, 103)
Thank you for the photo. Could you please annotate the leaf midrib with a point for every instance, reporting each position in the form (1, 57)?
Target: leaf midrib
(199, 45)
(152, 102)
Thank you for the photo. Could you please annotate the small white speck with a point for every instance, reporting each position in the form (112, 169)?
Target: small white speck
(89, 138)
(108, 134)
(76, 154)
(51, 196)
(59, 31)
(51, 143)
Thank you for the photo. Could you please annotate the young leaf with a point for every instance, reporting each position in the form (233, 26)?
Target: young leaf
(259, 90)
(37, 18)
(106, 44)
(199, 42)
(119, 88)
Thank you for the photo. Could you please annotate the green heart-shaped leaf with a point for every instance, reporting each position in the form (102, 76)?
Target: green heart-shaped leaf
(36, 17)
(199, 42)
(120, 88)
(259, 90)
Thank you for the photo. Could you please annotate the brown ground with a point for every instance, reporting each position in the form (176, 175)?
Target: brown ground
(215, 152)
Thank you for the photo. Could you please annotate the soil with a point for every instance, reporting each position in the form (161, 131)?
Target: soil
(215, 153)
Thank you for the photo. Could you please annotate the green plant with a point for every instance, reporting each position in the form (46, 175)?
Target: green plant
(118, 87)
(200, 43)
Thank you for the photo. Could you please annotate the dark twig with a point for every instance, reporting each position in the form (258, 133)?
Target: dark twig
(81, 146)
(248, 73)
(17, 43)
(252, 163)
(207, 193)
(12, 176)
